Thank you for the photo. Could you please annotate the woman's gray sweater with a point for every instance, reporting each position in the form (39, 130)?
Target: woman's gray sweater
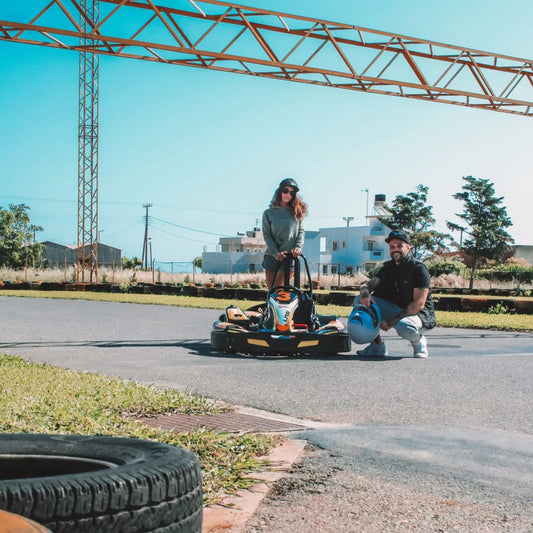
(281, 231)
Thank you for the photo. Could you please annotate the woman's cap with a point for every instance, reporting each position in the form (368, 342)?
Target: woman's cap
(289, 182)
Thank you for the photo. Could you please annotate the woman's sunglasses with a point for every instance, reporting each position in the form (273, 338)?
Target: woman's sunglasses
(292, 192)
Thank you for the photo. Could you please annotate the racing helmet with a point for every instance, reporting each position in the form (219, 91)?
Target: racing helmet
(289, 182)
(363, 323)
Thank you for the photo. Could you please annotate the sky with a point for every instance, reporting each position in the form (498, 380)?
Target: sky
(207, 149)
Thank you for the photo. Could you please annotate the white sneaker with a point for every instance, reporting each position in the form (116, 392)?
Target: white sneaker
(373, 350)
(420, 348)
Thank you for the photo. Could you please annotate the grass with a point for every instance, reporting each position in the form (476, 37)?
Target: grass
(40, 398)
(503, 321)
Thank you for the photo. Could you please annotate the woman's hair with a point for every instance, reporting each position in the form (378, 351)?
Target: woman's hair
(297, 206)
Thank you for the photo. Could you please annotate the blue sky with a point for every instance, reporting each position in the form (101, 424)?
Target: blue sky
(207, 149)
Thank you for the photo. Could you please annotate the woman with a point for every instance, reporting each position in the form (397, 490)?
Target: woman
(283, 229)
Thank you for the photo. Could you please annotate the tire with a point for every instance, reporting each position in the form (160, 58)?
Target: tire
(86, 484)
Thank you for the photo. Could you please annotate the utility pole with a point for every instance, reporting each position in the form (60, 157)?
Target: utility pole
(347, 220)
(366, 190)
(145, 242)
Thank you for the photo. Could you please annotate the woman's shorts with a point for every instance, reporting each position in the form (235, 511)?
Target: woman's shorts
(270, 263)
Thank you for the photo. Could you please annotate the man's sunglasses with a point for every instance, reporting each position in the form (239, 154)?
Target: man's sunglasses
(292, 192)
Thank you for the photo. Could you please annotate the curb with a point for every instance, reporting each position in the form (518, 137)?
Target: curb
(232, 514)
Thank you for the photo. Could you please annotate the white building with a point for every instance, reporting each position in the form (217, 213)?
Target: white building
(243, 253)
(344, 249)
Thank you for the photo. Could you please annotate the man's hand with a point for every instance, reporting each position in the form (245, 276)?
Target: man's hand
(385, 326)
(281, 256)
(366, 301)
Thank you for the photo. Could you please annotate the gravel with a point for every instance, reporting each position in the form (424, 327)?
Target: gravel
(327, 493)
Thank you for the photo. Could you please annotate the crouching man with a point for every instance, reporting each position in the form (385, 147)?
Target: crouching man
(401, 291)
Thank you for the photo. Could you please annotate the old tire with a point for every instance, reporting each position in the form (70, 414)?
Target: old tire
(75, 483)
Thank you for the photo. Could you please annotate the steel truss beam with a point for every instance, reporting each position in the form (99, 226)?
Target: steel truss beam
(230, 37)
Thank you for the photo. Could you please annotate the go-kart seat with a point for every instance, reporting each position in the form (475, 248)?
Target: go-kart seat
(306, 314)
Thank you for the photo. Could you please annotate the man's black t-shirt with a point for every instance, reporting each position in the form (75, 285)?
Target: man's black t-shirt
(398, 282)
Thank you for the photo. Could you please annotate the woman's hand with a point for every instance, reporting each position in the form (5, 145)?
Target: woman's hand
(281, 256)
(296, 252)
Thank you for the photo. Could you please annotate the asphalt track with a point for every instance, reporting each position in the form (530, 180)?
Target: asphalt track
(461, 418)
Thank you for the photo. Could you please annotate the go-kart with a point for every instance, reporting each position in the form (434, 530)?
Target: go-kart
(287, 324)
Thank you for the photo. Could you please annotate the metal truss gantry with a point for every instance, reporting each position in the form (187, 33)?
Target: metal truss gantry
(87, 258)
(229, 37)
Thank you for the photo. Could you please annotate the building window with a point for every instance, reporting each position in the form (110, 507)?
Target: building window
(335, 246)
(324, 269)
(370, 245)
(322, 244)
(343, 244)
(349, 270)
(333, 269)
(251, 267)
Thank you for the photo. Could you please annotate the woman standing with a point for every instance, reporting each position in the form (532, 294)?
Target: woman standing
(283, 229)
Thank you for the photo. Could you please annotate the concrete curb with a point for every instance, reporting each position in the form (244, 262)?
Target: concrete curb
(233, 513)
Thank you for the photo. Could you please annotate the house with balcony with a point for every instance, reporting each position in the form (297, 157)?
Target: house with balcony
(351, 249)
(337, 250)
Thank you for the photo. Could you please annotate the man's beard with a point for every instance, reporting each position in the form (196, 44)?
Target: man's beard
(397, 257)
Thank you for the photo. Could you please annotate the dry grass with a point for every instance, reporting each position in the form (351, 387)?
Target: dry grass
(119, 275)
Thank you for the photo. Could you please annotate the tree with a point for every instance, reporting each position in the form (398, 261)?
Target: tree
(485, 237)
(17, 238)
(197, 262)
(131, 264)
(411, 214)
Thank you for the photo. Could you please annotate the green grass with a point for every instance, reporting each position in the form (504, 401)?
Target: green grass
(502, 321)
(40, 398)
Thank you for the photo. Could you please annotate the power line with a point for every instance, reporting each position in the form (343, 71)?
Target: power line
(187, 228)
(180, 236)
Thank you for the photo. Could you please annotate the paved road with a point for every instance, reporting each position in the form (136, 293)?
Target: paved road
(458, 425)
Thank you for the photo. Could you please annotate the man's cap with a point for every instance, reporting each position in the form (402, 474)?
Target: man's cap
(398, 234)
(289, 182)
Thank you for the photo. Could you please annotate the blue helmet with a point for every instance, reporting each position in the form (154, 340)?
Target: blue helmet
(363, 323)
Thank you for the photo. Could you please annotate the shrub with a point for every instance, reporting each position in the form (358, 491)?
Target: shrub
(498, 309)
(439, 266)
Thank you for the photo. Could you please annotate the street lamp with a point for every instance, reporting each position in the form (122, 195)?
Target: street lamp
(347, 220)
(99, 231)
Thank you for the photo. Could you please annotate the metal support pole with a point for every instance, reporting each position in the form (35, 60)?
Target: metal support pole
(87, 254)
(144, 258)
(347, 220)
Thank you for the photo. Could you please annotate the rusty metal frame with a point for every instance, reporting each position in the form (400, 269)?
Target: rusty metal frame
(230, 37)
(87, 253)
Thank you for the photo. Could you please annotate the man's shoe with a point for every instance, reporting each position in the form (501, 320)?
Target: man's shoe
(373, 350)
(420, 348)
